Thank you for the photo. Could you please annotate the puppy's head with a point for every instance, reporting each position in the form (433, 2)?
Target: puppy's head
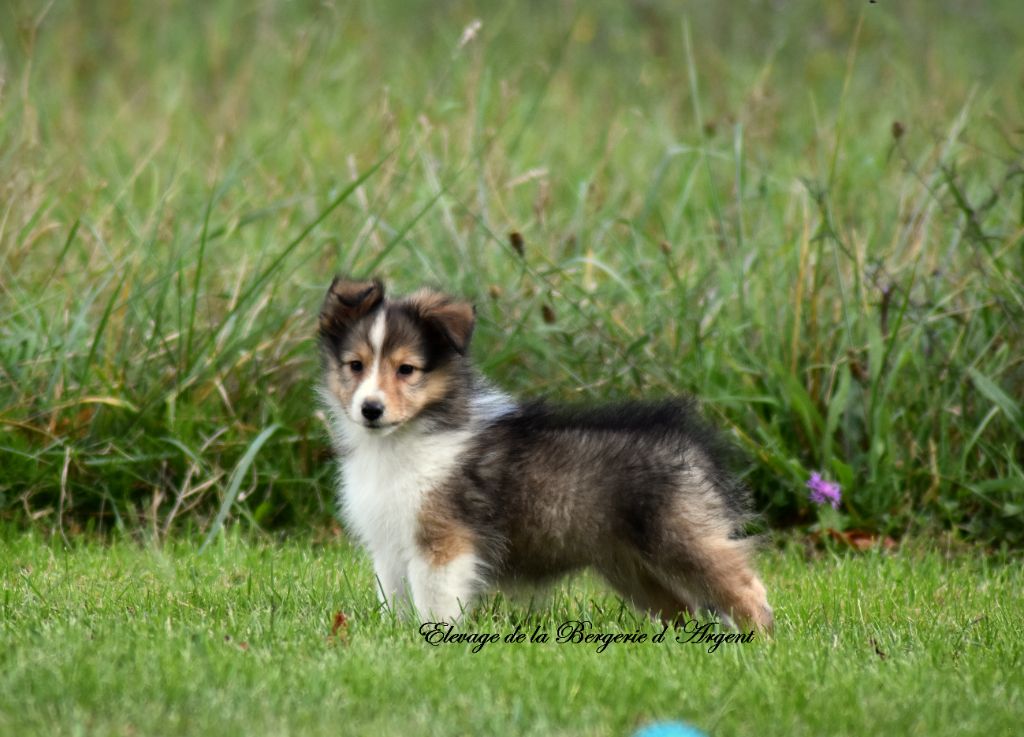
(387, 361)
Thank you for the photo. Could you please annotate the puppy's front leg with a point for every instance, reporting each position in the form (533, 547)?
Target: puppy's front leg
(443, 590)
(392, 589)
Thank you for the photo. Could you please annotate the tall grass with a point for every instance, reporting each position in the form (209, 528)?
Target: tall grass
(812, 218)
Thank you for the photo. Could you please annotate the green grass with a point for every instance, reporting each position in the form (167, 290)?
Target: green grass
(711, 201)
(810, 215)
(128, 639)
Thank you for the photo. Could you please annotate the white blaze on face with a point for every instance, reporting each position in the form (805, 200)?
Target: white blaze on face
(370, 389)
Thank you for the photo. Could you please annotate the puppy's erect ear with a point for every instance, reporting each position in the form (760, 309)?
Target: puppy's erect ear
(453, 318)
(347, 301)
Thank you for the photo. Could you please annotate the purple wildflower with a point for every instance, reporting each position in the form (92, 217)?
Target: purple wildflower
(824, 492)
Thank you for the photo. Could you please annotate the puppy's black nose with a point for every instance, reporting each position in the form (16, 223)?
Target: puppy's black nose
(372, 410)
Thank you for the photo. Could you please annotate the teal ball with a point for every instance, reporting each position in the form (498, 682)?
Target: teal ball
(669, 729)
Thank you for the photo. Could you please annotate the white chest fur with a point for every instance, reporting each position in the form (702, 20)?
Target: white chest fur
(384, 482)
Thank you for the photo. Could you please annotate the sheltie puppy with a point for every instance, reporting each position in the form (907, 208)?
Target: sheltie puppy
(452, 485)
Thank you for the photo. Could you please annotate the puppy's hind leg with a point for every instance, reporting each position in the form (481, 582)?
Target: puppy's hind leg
(734, 587)
(646, 593)
(718, 570)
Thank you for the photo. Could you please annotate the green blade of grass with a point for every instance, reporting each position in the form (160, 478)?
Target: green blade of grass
(235, 483)
(997, 396)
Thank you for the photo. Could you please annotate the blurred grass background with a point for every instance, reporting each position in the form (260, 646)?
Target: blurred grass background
(811, 215)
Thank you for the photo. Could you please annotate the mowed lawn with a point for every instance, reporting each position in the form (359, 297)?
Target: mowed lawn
(123, 639)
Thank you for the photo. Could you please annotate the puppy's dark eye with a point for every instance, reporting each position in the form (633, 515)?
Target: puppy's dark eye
(405, 369)
(356, 366)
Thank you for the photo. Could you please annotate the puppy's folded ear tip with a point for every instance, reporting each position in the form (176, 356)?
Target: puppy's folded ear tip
(354, 291)
(345, 282)
(347, 300)
(454, 317)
